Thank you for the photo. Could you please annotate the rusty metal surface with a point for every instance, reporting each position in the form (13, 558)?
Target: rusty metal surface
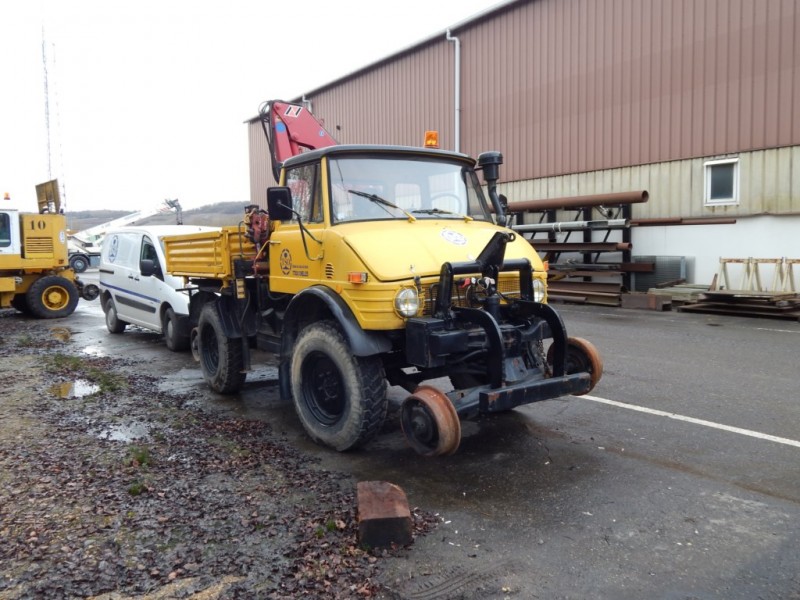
(610, 199)
(448, 425)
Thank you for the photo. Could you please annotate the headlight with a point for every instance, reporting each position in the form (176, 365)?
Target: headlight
(538, 290)
(406, 302)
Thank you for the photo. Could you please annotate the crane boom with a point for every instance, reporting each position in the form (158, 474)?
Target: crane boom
(290, 130)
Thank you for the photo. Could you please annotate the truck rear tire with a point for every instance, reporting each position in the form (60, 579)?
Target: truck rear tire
(113, 322)
(52, 297)
(339, 398)
(221, 359)
(171, 327)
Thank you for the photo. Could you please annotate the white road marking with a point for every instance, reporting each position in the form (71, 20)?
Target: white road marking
(777, 330)
(661, 413)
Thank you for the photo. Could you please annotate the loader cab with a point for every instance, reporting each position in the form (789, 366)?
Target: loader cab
(9, 232)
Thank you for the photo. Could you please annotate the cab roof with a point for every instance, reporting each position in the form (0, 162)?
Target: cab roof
(376, 149)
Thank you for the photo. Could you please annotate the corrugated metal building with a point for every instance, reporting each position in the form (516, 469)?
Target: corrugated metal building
(696, 101)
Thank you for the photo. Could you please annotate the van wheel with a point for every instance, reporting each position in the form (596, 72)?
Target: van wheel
(172, 332)
(340, 398)
(221, 358)
(52, 297)
(113, 323)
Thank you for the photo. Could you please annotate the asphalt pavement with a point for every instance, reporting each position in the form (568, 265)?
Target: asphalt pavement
(678, 477)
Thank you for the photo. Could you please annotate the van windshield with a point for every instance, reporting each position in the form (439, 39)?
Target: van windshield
(374, 188)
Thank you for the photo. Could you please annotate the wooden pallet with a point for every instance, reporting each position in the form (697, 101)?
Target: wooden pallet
(774, 305)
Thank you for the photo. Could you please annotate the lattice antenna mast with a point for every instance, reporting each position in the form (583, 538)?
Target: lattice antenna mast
(46, 105)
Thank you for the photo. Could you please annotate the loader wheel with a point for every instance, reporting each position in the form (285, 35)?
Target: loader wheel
(171, 327)
(582, 357)
(221, 359)
(52, 297)
(430, 422)
(113, 322)
(339, 398)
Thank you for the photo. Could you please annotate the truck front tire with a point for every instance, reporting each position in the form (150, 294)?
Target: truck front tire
(52, 297)
(339, 398)
(221, 359)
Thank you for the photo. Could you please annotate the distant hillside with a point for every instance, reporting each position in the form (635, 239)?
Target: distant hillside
(221, 213)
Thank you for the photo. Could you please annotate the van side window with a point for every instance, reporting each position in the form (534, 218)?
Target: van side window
(149, 253)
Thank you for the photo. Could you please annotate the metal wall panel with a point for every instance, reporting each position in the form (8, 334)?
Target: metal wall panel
(260, 165)
(769, 184)
(574, 86)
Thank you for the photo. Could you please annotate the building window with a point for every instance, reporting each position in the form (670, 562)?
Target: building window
(721, 181)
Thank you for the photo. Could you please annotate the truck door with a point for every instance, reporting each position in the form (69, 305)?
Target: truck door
(295, 258)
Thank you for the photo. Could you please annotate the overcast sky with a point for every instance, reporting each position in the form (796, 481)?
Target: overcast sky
(147, 99)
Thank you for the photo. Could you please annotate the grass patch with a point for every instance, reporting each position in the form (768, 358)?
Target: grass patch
(136, 488)
(106, 380)
(140, 456)
(25, 341)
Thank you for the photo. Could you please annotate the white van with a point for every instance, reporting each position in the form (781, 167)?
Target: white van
(134, 289)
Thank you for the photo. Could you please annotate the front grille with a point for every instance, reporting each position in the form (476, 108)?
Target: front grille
(508, 287)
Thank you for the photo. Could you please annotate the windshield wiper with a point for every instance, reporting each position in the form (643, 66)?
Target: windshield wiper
(378, 200)
(439, 211)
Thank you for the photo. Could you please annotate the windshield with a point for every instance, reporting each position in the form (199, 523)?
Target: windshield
(370, 188)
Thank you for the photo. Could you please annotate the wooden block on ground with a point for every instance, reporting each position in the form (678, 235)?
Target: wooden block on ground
(383, 515)
(647, 301)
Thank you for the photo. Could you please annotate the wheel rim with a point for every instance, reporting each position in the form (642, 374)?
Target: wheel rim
(55, 297)
(430, 422)
(209, 349)
(324, 391)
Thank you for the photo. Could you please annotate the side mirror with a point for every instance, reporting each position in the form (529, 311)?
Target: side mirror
(147, 267)
(279, 203)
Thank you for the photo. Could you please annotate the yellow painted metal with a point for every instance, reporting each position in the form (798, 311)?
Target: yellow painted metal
(44, 252)
(208, 254)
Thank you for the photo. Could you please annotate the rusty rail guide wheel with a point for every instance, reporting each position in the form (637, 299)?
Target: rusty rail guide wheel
(582, 356)
(430, 422)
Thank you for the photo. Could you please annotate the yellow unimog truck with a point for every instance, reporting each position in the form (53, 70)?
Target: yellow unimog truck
(376, 265)
(35, 276)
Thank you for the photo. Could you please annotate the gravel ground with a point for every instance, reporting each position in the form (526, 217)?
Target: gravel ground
(111, 488)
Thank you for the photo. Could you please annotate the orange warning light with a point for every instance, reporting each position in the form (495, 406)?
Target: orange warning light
(431, 139)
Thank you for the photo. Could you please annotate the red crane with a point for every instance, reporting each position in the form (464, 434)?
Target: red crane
(290, 130)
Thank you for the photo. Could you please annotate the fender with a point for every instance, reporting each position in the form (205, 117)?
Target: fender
(225, 306)
(312, 303)
(305, 304)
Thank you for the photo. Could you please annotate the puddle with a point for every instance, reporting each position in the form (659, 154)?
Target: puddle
(125, 433)
(94, 351)
(74, 389)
